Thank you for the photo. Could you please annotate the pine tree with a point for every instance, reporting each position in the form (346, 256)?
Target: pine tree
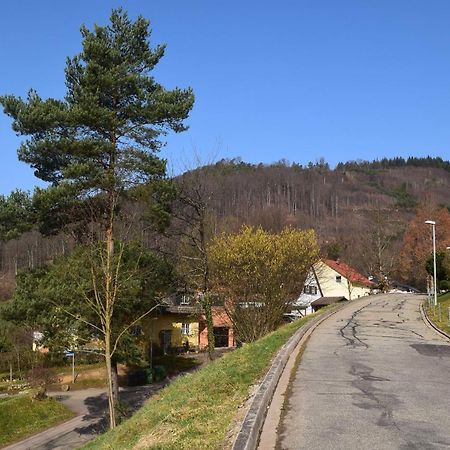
(101, 141)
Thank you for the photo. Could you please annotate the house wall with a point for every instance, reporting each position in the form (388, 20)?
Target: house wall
(332, 288)
(359, 291)
(220, 319)
(306, 298)
(198, 334)
(154, 325)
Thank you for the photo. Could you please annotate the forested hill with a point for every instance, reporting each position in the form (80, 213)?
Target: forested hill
(329, 200)
(345, 205)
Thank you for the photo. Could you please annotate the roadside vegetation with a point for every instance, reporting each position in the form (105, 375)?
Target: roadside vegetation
(20, 417)
(197, 410)
(440, 315)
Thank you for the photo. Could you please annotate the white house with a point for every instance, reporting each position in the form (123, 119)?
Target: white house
(332, 279)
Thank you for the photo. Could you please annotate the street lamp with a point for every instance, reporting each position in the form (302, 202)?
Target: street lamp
(433, 226)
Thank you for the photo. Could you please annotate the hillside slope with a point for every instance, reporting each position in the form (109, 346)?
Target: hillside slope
(346, 206)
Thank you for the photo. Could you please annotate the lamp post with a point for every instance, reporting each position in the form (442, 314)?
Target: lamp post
(433, 226)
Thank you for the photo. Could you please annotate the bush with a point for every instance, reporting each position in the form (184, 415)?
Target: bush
(39, 379)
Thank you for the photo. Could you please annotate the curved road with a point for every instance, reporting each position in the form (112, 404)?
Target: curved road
(373, 376)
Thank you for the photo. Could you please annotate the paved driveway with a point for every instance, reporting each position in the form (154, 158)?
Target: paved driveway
(374, 376)
(91, 406)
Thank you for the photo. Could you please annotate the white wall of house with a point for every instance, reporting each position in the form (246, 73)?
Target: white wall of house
(360, 291)
(323, 281)
(310, 291)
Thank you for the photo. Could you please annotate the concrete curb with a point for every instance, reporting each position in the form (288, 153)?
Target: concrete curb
(428, 321)
(248, 436)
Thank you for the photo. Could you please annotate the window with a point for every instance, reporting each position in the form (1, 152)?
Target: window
(185, 329)
(338, 279)
(311, 290)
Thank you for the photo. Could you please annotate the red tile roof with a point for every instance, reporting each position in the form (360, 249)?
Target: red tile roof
(348, 272)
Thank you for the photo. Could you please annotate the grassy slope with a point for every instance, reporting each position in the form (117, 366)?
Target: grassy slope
(442, 321)
(196, 411)
(21, 417)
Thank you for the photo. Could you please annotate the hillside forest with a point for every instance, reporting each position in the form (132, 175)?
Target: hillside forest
(369, 214)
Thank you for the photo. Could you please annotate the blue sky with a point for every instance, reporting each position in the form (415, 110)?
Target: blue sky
(300, 80)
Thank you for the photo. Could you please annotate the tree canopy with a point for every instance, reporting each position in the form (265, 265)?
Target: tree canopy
(260, 274)
(418, 245)
(15, 214)
(49, 298)
(102, 138)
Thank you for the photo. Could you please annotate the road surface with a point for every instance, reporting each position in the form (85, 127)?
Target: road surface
(373, 376)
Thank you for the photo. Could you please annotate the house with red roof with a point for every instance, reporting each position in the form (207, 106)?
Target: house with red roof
(331, 281)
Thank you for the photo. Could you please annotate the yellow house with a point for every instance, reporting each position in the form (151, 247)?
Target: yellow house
(338, 279)
(175, 325)
(172, 330)
(179, 324)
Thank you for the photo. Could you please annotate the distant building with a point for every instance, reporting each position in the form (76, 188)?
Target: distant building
(333, 280)
(180, 325)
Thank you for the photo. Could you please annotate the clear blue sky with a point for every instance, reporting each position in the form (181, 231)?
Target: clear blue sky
(300, 79)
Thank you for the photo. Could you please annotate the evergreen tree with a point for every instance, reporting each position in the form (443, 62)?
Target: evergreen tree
(101, 142)
(15, 214)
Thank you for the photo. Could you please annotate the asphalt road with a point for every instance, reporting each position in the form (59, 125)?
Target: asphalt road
(373, 376)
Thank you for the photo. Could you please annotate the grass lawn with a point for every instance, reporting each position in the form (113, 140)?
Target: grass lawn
(21, 417)
(441, 320)
(196, 411)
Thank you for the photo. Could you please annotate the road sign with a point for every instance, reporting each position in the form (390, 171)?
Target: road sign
(71, 355)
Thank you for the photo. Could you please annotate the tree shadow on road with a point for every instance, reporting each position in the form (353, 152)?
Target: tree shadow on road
(131, 399)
